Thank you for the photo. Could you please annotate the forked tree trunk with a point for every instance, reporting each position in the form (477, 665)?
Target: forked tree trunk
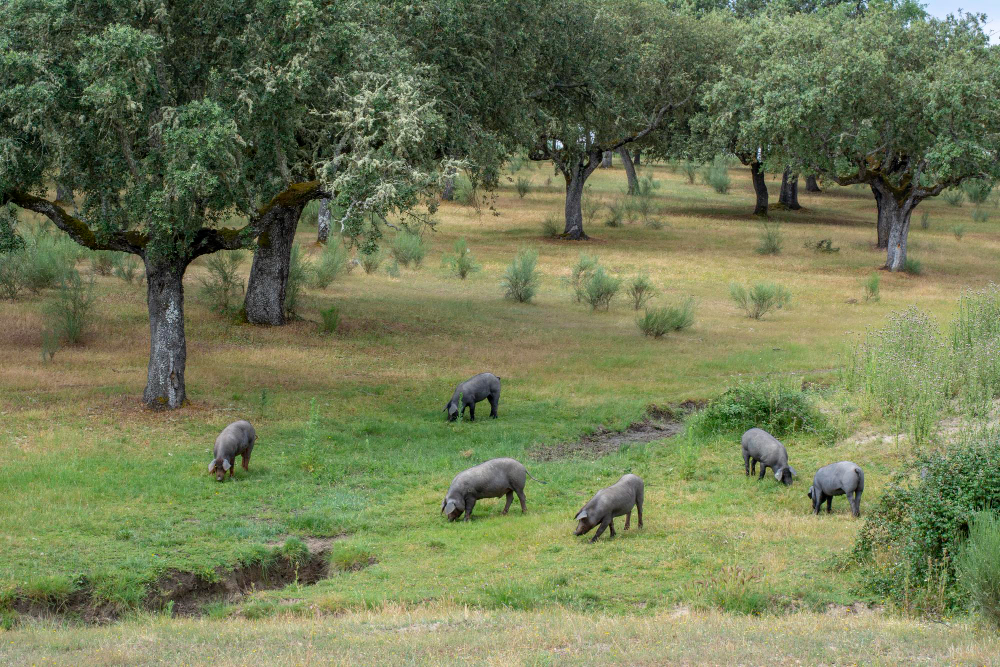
(265, 297)
(606, 161)
(323, 221)
(789, 195)
(811, 184)
(167, 346)
(633, 180)
(635, 159)
(882, 228)
(897, 220)
(759, 187)
(576, 175)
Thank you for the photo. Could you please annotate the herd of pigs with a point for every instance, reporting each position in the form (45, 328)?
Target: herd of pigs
(499, 477)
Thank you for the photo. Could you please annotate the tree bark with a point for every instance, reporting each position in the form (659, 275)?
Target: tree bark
(323, 221)
(759, 187)
(448, 193)
(897, 221)
(811, 184)
(635, 159)
(265, 298)
(576, 175)
(789, 195)
(882, 229)
(167, 346)
(633, 180)
(606, 161)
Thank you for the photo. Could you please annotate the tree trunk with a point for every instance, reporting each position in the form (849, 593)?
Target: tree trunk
(265, 298)
(63, 193)
(759, 187)
(882, 229)
(789, 195)
(323, 221)
(633, 180)
(606, 162)
(811, 185)
(167, 347)
(576, 175)
(635, 160)
(448, 193)
(897, 221)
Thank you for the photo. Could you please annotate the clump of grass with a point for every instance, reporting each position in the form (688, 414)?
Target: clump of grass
(332, 262)
(409, 248)
(953, 196)
(331, 318)
(347, 556)
(735, 590)
(778, 406)
(980, 214)
(913, 266)
(49, 589)
(370, 261)
(958, 231)
(688, 455)
(392, 269)
(48, 259)
(589, 206)
(127, 267)
(600, 288)
(70, 314)
(520, 281)
(223, 286)
(462, 263)
(523, 186)
(978, 565)
(50, 345)
(925, 220)
(12, 274)
(646, 185)
(100, 262)
(823, 245)
(760, 299)
(716, 174)
(581, 271)
(551, 228)
(298, 278)
(690, 170)
(640, 290)
(656, 322)
(771, 239)
(616, 214)
(871, 286)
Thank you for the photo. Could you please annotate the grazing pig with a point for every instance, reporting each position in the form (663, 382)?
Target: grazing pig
(235, 440)
(761, 447)
(837, 479)
(492, 479)
(470, 392)
(616, 500)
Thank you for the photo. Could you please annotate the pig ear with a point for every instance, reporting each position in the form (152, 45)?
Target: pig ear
(225, 465)
(211, 466)
(777, 473)
(582, 514)
(450, 507)
(792, 470)
(810, 492)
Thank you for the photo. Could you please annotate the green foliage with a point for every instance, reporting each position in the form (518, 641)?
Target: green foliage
(640, 290)
(127, 267)
(690, 170)
(580, 272)
(48, 259)
(409, 248)
(925, 220)
(823, 245)
(871, 285)
(716, 175)
(976, 350)
(392, 269)
(50, 344)
(599, 288)
(101, 262)
(911, 537)
(977, 191)
(523, 186)
(462, 263)
(370, 261)
(978, 565)
(760, 299)
(646, 185)
(913, 266)
(12, 274)
(735, 590)
(616, 213)
(69, 315)
(980, 214)
(771, 239)
(10, 240)
(780, 407)
(333, 261)
(331, 318)
(958, 231)
(656, 322)
(298, 278)
(953, 196)
(551, 228)
(589, 206)
(520, 281)
(465, 191)
(350, 556)
(223, 287)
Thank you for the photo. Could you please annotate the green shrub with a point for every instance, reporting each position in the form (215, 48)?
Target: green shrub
(371, 261)
(735, 590)
(551, 228)
(913, 266)
(332, 262)
(581, 271)
(409, 248)
(10, 240)
(126, 266)
(777, 406)
(600, 288)
(925, 220)
(298, 278)
(331, 318)
(462, 263)
(69, 315)
(978, 565)
(640, 290)
(223, 286)
(589, 206)
(616, 213)
(977, 191)
(912, 535)
(760, 299)
(976, 350)
(48, 260)
(646, 185)
(50, 344)
(953, 197)
(101, 262)
(980, 214)
(716, 174)
(958, 231)
(523, 186)
(465, 191)
(12, 274)
(392, 270)
(771, 239)
(871, 285)
(657, 322)
(520, 281)
(823, 245)
(689, 169)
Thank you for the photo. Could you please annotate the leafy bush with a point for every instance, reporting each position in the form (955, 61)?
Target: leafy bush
(640, 290)
(600, 288)
(770, 239)
(331, 318)
(689, 169)
(462, 263)
(871, 285)
(580, 272)
(465, 191)
(520, 281)
(223, 286)
(101, 262)
(551, 228)
(980, 214)
(371, 261)
(911, 537)
(332, 262)
(409, 248)
(126, 266)
(48, 260)
(913, 266)
(760, 299)
(523, 186)
(823, 245)
(978, 565)
(10, 240)
(298, 278)
(589, 206)
(977, 191)
(12, 274)
(958, 231)
(716, 174)
(953, 196)
(777, 406)
(925, 220)
(646, 184)
(70, 314)
(616, 213)
(656, 322)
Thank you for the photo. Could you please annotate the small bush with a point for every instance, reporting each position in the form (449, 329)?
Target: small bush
(371, 261)
(523, 186)
(224, 286)
(770, 239)
(978, 565)
(70, 314)
(616, 214)
(462, 263)
(392, 270)
(646, 185)
(127, 267)
(689, 169)
(581, 271)
(777, 406)
(871, 287)
(465, 191)
(823, 245)
(332, 262)
(520, 281)
(48, 261)
(980, 214)
(913, 266)
(50, 344)
(977, 191)
(331, 318)
(640, 290)
(409, 248)
(656, 322)
(298, 278)
(716, 175)
(12, 274)
(958, 231)
(551, 228)
(760, 299)
(953, 196)
(101, 262)
(600, 288)
(925, 220)
(589, 206)
(735, 590)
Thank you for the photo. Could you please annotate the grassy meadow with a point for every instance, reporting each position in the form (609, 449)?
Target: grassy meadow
(354, 447)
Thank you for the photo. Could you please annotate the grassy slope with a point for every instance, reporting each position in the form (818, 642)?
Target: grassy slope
(95, 485)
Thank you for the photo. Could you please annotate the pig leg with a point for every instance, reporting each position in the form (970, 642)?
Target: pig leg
(470, 502)
(246, 460)
(746, 463)
(510, 499)
(857, 503)
(763, 469)
(628, 519)
(604, 524)
(753, 465)
(612, 525)
(494, 403)
(472, 412)
(520, 496)
(638, 506)
(829, 504)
